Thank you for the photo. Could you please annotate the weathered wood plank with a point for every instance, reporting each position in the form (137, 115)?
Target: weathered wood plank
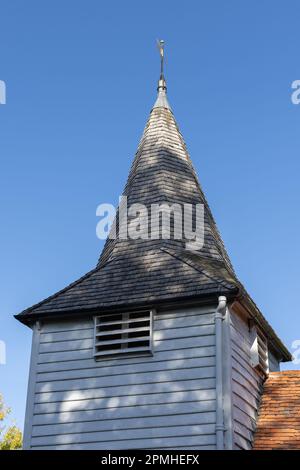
(87, 333)
(206, 430)
(116, 419)
(165, 345)
(125, 401)
(125, 390)
(151, 443)
(244, 406)
(250, 388)
(126, 369)
(159, 356)
(194, 331)
(52, 326)
(243, 431)
(129, 379)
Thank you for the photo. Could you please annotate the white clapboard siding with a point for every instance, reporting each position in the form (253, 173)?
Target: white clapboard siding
(72, 406)
(126, 369)
(87, 422)
(160, 356)
(131, 379)
(167, 400)
(170, 442)
(125, 390)
(181, 342)
(246, 385)
(142, 433)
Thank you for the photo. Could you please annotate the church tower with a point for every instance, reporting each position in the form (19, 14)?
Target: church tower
(159, 346)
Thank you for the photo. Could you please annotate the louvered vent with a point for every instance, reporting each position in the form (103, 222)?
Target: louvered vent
(259, 351)
(123, 333)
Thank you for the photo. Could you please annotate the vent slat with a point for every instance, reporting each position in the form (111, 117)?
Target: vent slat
(119, 332)
(121, 341)
(117, 351)
(119, 322)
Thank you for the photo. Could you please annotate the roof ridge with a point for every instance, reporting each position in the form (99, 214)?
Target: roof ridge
(224, 283)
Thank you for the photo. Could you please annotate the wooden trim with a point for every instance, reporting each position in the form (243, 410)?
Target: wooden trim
(31, 386)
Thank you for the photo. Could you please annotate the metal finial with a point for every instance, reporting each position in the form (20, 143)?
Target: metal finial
(161, 46)
(161, 101)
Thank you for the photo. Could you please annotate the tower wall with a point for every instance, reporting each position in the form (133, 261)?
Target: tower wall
(163, 401)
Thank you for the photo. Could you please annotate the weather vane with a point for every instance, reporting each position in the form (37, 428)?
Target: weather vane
(161, 46)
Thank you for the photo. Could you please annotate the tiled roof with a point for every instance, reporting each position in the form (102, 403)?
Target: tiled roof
(278, 425)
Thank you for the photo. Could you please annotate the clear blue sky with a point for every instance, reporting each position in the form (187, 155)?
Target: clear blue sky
(81, 80)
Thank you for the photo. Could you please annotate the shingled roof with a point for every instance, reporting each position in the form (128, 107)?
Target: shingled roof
(139, 272)
(278, 425)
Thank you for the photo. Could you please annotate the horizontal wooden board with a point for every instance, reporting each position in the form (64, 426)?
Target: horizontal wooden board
(243, 431)
(243, 418)
(165, 345)
(190, 332)
(125, 390)
(183, 322)
(244, 406)
(241, 443)
(162, 401)
(52, 326)
(117, 419)
(250, 388)
(118, 436)
(129, 379)
(159, 356)
(126, 369)
(69, 335)
(246, 366)
(161, 335)
(178, 313)
(242, 392)
(125, 401)
(240, 342)
(199, 441)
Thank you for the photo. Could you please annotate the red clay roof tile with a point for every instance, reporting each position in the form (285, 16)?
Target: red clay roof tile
(278, 425)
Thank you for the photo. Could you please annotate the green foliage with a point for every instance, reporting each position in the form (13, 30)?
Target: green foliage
(10, 434)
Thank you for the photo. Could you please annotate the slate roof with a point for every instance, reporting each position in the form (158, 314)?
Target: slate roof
(139, 272)
(278, 425)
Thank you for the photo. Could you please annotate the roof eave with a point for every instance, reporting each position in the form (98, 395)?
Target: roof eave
(28, 318)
